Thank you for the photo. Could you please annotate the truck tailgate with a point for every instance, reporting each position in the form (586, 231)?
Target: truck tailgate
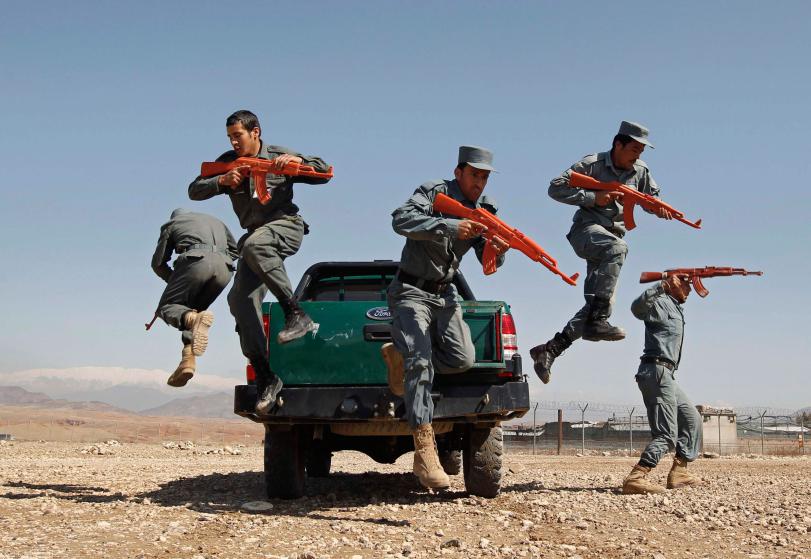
(345, 350)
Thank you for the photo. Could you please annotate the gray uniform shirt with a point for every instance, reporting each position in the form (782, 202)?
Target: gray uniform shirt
(432, 251)
(251, 213)
(664, 323)
(192, 233)
(601, 167)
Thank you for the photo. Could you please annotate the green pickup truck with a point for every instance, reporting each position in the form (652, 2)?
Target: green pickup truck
(336, 395)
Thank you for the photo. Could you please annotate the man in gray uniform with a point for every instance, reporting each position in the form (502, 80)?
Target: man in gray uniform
(427, 329)
(203, 267)
(674, 421)
(274, 232)
(596, 236)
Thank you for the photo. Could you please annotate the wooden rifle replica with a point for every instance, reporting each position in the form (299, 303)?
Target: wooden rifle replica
(630, 198)
(695, 275)
(496, 228)
(259, 169)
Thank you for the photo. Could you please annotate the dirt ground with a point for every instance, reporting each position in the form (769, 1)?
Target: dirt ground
(62, 499)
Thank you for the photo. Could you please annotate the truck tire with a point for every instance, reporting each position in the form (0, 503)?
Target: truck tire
(284, 464)
(319, 460)
(483, 461)
(451, 461)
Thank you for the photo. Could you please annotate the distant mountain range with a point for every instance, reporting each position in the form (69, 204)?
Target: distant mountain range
(129, 389)
(218, 405)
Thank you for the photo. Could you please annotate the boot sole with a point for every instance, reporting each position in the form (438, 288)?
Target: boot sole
(200, 332)
(396, 368)
(642, 492)
(533, 353)
(179, 379)
(296, 334)
(682, 485)
(265, 409)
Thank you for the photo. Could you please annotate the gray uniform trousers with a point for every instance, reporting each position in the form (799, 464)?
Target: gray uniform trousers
(195, 283)
(429, 332)
(261, 268)
(674, 421)
(604, 253)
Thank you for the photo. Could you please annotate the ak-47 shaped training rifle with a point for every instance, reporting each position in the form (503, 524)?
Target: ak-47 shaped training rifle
(497, 228)
(259, 169)
(630, 198)
(694, 275)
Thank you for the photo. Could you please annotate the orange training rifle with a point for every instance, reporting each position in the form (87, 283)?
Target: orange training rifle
(259, 169)
(497, 228)
(694, 275)
(630, 198)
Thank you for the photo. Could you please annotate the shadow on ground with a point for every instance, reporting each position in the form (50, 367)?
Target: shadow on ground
(227, 492)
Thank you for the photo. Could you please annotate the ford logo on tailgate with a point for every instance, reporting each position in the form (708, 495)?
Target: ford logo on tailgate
(379, 313)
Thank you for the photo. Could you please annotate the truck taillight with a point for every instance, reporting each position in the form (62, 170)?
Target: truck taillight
(250, 374)
(509, 338)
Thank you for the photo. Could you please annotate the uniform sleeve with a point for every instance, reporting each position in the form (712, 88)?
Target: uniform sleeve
(480, 243)
(649, 186)
(645, 307)
(560, 190)
(233, 250)
(414, 219)
(203, 188)
(163, 253)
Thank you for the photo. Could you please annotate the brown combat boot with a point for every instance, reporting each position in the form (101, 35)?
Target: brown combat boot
(426, 460)
(185, 370)
(637, 484)
(198, 323)
(396, 367)
(679, 476)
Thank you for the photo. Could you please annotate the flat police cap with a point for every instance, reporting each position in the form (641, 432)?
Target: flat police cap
(635, 131)
(478, 157)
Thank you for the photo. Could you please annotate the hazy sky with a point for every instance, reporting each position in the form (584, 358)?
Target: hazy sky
(108, 108)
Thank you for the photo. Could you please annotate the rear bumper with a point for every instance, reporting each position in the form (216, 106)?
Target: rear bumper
(328, 404)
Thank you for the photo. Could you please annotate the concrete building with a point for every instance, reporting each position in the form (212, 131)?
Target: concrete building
(720, 432)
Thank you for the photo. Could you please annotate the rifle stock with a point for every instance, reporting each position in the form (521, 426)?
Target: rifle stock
(497, 228)
(695, 275)
(259, 169)
(630, 198)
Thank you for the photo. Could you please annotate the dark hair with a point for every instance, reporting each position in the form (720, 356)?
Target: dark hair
(623, 139)
(246, 118)
(461, 166)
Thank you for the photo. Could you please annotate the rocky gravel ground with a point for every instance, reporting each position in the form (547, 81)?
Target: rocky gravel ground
(176, 500)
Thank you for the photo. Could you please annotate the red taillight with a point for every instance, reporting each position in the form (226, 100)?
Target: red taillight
(509, 338)
(250, 374)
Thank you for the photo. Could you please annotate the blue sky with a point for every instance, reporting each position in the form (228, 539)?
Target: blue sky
(109, 108)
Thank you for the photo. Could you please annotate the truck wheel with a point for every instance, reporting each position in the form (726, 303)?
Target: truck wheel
(284, 464)
(482, 463)
(319, 460)
(451, 461)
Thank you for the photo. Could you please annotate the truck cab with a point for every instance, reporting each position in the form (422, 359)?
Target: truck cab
(336, 395)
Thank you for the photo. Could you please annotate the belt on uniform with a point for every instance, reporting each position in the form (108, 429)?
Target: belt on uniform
(666, 363)
(204, 247)
(434, 287)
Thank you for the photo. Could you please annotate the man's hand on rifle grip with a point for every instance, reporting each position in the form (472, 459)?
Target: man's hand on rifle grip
(469, 229)
(603, 198)
(234, 177)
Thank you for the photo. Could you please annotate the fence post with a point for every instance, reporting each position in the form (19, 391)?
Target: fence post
(534, 429)
(802, 433)
(762, 452)
(560, 429)
(631, 430)
(583, 428)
